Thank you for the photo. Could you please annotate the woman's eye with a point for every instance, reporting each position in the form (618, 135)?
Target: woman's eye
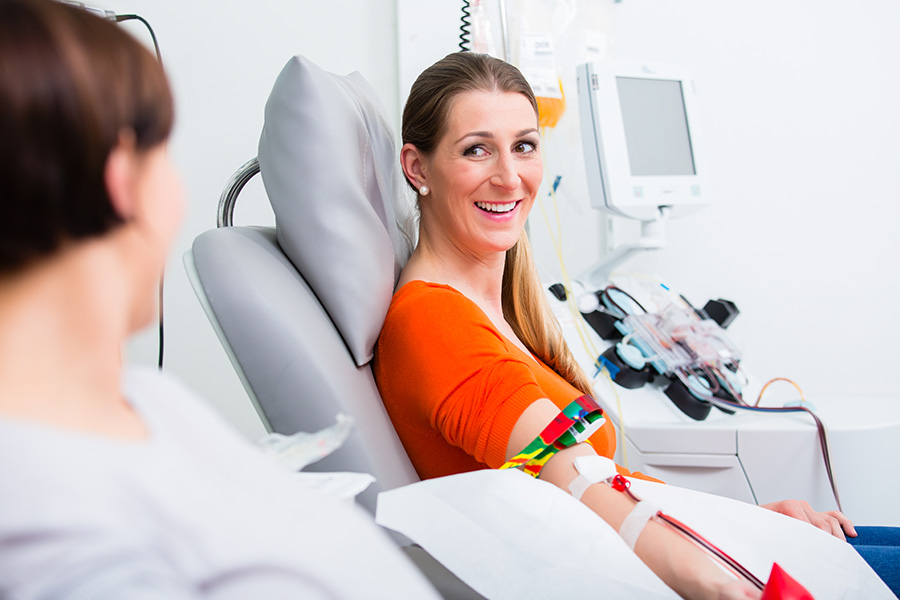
(475, 151)
(523, 147)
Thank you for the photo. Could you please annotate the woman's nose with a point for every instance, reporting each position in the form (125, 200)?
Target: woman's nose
(505, 174)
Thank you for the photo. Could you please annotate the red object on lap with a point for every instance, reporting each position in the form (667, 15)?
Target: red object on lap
(782, 586)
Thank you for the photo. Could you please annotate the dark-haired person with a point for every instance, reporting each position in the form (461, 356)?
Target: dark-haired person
(117, 483)
(469, 318)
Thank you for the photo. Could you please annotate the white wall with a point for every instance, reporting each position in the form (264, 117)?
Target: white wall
(800, 104)
(223, 58)
(801, 122)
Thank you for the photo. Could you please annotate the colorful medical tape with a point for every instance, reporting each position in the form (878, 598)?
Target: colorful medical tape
(575, 423)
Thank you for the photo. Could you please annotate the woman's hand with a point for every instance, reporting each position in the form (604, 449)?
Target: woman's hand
(739, 590)
(833, 522)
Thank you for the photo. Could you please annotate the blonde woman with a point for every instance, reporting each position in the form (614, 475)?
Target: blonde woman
(470, 363)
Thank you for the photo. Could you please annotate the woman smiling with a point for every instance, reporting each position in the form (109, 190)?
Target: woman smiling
(470, 363)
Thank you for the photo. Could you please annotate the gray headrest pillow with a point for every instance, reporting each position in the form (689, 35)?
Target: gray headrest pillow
(329, 165)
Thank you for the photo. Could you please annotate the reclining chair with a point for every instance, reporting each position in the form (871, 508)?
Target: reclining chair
(299, 307)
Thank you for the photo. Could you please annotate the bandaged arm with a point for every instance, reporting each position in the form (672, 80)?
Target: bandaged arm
(679, 563)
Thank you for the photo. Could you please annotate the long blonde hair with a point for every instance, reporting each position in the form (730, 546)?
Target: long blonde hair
(526, 309)
(424, 121)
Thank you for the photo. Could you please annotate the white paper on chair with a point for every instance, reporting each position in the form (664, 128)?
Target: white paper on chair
(510, 536)
(297, 451)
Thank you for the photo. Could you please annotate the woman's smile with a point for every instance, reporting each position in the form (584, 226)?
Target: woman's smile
(496, 208)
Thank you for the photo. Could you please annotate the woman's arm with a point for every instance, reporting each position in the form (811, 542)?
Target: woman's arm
(678, 562)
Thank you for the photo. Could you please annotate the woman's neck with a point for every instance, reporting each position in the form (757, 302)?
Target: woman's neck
(479, 277)
(62, 325)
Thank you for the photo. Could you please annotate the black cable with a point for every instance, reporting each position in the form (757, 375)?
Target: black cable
(616, 305)
(162, 278)
(109, 15)
(465, 44)
(162, 333)
(121, 18)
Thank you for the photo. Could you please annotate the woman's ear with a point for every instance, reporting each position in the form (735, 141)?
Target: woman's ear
(120, 176)
(412, 162)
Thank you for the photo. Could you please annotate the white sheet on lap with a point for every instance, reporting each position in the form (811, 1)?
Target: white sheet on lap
(510, 536)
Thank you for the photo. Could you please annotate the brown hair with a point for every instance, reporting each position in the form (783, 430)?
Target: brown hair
(431, 96)
(70, 84)
(424, 122)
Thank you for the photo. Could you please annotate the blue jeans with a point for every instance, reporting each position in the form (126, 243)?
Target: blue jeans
(880, 547)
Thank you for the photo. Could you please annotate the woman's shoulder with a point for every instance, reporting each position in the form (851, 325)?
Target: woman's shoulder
(418, 288)
(440, 310)
(418, 295)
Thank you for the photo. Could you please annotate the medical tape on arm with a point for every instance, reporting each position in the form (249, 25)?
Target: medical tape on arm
(597, 469)
(637, 519)
(591, 470)
(574, 424)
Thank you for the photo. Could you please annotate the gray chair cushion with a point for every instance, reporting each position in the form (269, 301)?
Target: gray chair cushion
(330, 169)
(286, 346)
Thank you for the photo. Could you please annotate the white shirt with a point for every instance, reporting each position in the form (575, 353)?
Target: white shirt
(193, 512)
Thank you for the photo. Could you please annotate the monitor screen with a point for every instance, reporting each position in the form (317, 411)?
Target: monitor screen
(656, 129)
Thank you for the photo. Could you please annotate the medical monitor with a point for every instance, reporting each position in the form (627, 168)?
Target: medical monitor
(642, 147)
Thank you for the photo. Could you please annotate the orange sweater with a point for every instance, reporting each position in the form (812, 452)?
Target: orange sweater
(454, 386)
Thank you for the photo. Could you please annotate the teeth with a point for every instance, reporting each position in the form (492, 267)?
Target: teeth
(496, 208)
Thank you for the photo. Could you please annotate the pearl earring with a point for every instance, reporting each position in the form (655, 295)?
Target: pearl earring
(424, 190)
